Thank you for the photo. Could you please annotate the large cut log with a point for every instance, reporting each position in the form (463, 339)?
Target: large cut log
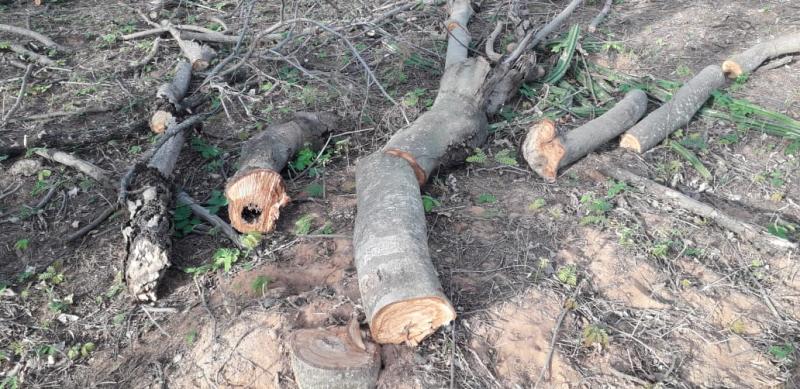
(148, 231)
(546, 152)
(169, 96)
(676, 113)
(256, 192)
(750, 60)
(334, 358)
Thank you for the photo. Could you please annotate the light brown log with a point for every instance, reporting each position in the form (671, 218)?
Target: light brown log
(546, 152)
(676, 113)
(256, 193)
(169, 96)
(31, 34)
(334, 358)
(752, 58)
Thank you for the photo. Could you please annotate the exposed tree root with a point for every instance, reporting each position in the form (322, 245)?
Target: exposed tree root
(256, 192)
(752, 58)
(546, 153)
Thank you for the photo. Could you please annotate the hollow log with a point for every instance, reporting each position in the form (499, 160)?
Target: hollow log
(752, 58)
(169, 96)
(676, 113)
(334, 358)
(256, 192)
(148, 231)
(546, 152)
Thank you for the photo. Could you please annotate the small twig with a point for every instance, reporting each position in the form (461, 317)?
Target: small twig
(212, 219)
(94, 223)
(155, 322)
(46, 199)
(602, 15)
(205, 306)
(31, 34)
(493, 55)
(19, 96)
(561, 316)
(147, 58)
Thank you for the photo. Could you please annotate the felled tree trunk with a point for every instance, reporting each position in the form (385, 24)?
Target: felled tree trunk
(147, 232)
(751, 59)
(334, 358)
(256, 192)
(546, 152)
(676, 113)
(169, 96)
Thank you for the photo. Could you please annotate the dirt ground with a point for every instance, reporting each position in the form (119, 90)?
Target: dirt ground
(660, 298)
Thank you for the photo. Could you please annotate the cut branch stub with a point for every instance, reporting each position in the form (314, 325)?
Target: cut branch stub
(400, 289)
(169, 96)
(753, 57)
(334, 358)
(256, 192)
(676, 113)
(546, 153)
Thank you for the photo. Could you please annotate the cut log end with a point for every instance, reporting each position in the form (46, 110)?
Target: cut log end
(332, 358)
(255, 199)
(161, 120)
(410, 321)
(731, 69)
(631, 143)
(543, 150)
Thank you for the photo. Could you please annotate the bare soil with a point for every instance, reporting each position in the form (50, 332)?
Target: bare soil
(664, 299)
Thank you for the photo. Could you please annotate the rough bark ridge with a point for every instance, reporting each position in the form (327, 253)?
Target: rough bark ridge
(257, 192)
(751, 59)
(147, 233)
(546, 153)
(400, 290)
(334, 358)
(676, 113)
(169, 96)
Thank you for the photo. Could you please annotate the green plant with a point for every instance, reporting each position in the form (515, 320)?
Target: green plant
(303, 225)
(314, 190)
(486, 198)
(660, 249)
(51, 275)
(595, 334)
(206, 150)
(596, 209)
(260, 283)
(135, 149)
(117, 286)
(251, 240)
(568, 274)
(41, 182)
(683, 71)
(109, 38)
(536, 204)
(304, 159)
(616, 187)
(781, 352)
(9, 383)
(692, 158)
(412, 98)
(567, 48)
(22, 244)
(506, 157)
(225, 258)
(216, 202)
(478, 158)
(738, 326)
(190, 337)
(429, 203)
(183, 221)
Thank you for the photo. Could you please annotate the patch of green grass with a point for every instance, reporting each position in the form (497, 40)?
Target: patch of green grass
(303, 225)
(486, 198)
(567, 274)
(260, 283)
(303, 159)
(314, 190)
(782, 352)
(478, 158)
(429, 203)
(683, 71)
(190, 337)
(537, 204)
(22, 244)
(506, 157)
(595, 334)
(251, 240)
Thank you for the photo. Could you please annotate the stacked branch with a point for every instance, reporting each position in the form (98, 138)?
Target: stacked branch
(169, 97)
(334, 358)
(256, 192)
(546, 152)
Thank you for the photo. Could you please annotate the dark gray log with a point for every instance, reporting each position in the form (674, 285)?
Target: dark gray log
(169, 97)
(752, 58)
(546, 152)
(676, 113)
(400, 290)
(33, 35)
(13, 145)
(332, 358)
(257, 192)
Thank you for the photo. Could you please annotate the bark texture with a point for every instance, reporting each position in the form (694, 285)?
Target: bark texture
(169, 96)
(257, 192)
(751, 59)
(746, 230)
(14, 144)
(147, 232)
(676, 113)
(333, 358)
(546, 152)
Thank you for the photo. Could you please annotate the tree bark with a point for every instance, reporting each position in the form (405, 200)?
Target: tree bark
(169, 96)
(676, 113)
(14, 145)
(546, 153)
(257, 192)
(334, 358)
(148, 231)
(751, 59)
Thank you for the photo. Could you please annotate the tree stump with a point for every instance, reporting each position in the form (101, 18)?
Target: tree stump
(334, 358)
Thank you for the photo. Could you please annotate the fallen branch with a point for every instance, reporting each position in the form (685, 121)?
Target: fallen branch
(33, 35)
(18, 144)
(676, 113)
(334, 358)
(212, 219)
(490, 41)
(602, 15)
(147, 58)
(746, 230)
(198, 55)
(256, 192)
(195, 33)
(18, 101)
(100, 175)
(531, 40)
(751, 59)
(36, 57)
(546, 152)
(169, 96)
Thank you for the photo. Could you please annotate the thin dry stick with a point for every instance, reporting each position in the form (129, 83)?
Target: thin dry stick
(212, 219)
(31, 34)
(19, 96)
(561, 316)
